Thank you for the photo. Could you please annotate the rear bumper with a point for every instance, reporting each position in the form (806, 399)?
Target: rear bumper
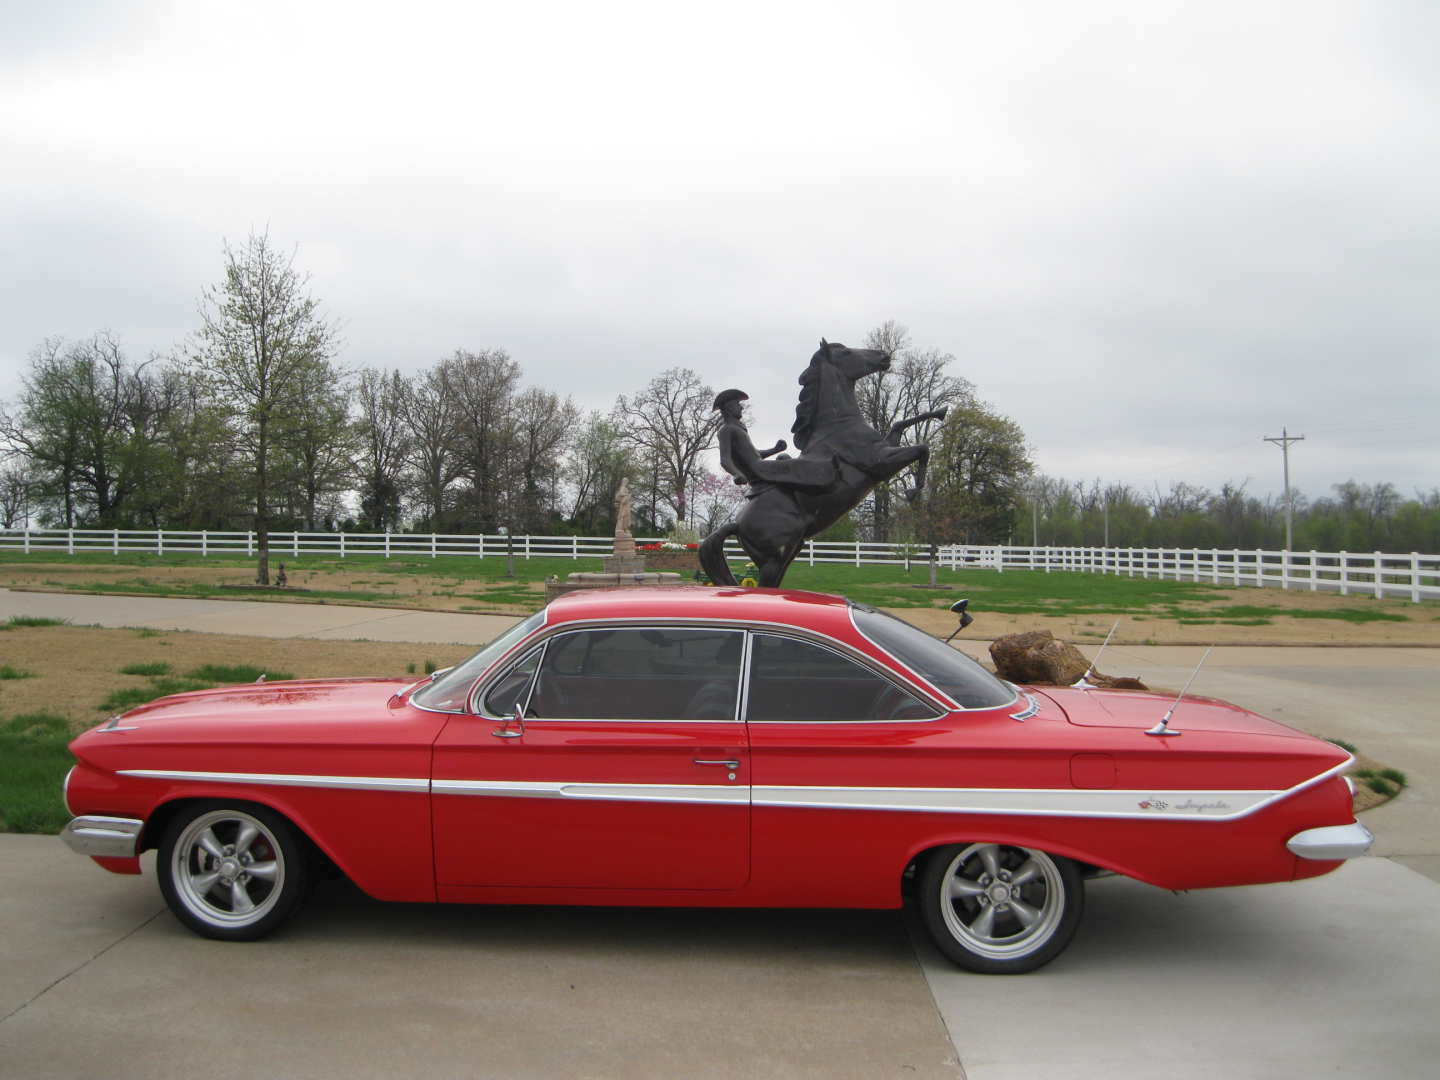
(1332, 842)
(104, 837)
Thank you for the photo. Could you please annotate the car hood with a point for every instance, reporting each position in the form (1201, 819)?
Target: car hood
(300, 702)
(1141, 710)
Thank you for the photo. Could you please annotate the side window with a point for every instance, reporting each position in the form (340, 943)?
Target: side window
(514, 685)
(654, 673)
(793, 680)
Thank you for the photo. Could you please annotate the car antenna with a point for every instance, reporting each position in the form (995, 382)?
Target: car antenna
(1081, 683)
(1163, 727)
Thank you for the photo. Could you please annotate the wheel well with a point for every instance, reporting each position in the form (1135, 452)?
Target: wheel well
(159, 821)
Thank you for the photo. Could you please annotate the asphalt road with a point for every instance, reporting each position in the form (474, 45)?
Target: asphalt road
(1330, 976)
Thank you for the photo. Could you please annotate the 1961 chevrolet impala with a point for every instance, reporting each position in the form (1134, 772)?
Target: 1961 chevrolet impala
(706, 747)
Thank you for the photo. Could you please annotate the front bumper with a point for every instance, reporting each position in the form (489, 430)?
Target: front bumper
(103, 837)
(1332, 842)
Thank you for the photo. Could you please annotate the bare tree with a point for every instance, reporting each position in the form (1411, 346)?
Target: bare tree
(916, 383)
(673, 422)
(544, 426)
(261, 333)
(15, 484)
(385, 443)
(484, 387)
(432, 416)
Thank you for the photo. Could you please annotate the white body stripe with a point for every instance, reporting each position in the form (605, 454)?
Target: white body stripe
(361, 783)
(1139, 804)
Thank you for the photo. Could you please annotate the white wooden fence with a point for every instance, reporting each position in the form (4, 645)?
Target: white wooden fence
(1412, 576)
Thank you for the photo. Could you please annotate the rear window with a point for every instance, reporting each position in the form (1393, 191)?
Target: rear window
(950, 671)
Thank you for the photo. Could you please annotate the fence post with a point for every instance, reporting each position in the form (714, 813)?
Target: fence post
(432, 545)
(342, 543)
(1314, 570)
(1344, 573)
(27, 538)
(159, 541)
(295, 543)
(204, 544)
(70, 542)
(810, 548)
(482, 545)
(857, 552)
(387, 543)
(115, 542)
(1379, 588)
(249, 544)
(1414, 577)
(527, 545)
(1285, 569)
(574, 547)
(1259, 570)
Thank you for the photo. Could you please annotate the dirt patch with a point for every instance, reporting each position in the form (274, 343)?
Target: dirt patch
(75, 668)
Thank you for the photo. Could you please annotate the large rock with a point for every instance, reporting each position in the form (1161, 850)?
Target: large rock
(1036, 656)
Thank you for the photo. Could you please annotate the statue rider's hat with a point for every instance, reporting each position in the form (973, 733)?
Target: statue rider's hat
(726, 396)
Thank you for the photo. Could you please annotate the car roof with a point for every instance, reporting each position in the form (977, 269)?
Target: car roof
(790, 607)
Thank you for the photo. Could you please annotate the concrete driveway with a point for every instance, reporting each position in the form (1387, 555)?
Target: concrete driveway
(1333, 976)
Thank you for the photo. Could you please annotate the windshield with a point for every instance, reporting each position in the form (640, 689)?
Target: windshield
(450, 692)
(952, 672)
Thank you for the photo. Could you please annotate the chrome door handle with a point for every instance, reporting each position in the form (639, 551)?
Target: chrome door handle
(729, 763)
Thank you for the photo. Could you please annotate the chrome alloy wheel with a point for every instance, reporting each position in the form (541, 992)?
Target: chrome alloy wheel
(1000, 908)
(227, 869)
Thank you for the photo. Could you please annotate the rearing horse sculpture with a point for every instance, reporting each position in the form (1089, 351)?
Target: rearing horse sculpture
(777, 520)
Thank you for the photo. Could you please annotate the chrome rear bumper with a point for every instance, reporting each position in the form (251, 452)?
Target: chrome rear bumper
(108, 837)
(1332, 842)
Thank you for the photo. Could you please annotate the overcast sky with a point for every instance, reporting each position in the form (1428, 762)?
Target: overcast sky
(1152, 233)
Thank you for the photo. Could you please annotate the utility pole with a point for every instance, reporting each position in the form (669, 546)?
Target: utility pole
(1283, 440)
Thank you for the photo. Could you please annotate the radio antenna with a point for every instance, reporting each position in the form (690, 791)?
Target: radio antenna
(1082, 683)
(1163, 727)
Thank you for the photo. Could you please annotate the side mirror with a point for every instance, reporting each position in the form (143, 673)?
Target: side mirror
(959, 608)
(504, 731)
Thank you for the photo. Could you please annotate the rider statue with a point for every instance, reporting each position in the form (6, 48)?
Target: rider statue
(747, 465)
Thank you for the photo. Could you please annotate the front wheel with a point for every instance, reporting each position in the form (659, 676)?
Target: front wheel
(1000, 909)
(233, 872)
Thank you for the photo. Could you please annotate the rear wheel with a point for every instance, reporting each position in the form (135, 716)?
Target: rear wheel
(233, 872)
(1000, 909)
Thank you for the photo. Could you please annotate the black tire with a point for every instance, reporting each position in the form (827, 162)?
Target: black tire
(232, 870)
(999, 909)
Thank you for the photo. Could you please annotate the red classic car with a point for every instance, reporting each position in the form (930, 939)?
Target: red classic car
(707, 747)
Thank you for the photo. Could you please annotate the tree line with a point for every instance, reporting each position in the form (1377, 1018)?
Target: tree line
(1354, 517)
(254, 423)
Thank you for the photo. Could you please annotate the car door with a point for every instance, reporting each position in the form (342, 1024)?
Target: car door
(631, 771)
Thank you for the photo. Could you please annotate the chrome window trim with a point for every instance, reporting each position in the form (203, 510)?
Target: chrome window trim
(470, 698)
(872, 668)
(65, 790)
(952, 704)
(477, 697)
(476, 703)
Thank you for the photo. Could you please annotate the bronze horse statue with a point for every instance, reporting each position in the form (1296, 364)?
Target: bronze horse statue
(777, 519)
